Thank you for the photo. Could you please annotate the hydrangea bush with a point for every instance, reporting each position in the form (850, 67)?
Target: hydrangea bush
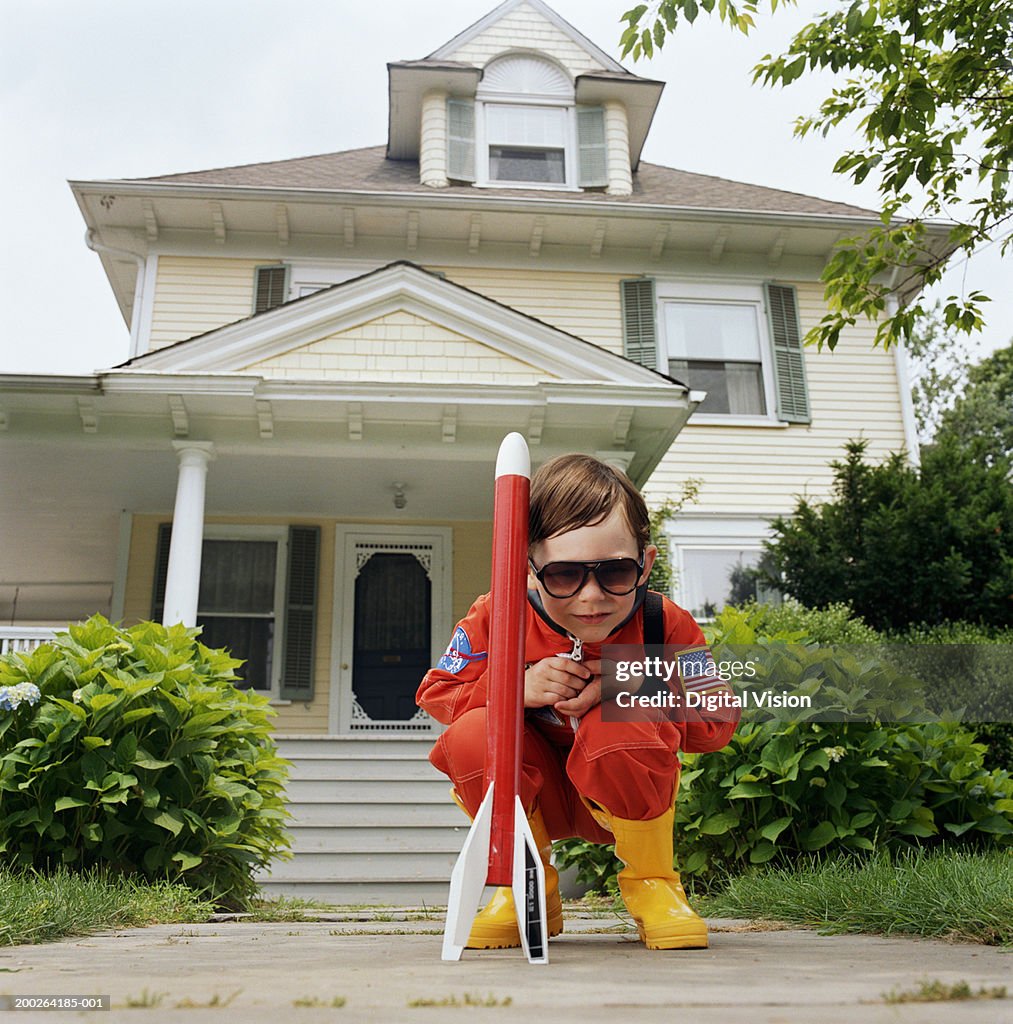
(134, 750)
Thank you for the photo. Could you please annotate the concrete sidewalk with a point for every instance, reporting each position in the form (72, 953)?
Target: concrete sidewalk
(598, 972)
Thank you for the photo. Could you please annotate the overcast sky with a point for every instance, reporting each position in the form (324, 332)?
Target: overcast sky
(124, 88)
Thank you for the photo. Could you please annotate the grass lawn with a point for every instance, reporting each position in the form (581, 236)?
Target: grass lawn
(961, 896)
(944, 894)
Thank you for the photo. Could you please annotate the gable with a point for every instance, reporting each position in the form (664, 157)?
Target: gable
(525, 26)
(440, 320)
(399, 346)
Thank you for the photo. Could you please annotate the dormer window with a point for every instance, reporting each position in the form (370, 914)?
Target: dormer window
(524, 130)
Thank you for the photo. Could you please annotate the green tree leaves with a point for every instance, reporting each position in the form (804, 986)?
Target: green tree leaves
(928, 87)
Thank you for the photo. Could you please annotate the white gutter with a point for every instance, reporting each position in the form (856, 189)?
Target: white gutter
(457, 201)
(142, 266)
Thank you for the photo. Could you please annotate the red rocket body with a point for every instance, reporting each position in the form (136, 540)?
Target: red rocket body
(506, 649)
(500, 849)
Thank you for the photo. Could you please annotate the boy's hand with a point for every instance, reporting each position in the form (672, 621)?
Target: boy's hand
(588, 696)
(551, 680)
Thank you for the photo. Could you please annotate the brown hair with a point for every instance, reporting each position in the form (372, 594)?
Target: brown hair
(571, 491)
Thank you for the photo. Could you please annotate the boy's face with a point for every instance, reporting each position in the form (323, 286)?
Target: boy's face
(592, 614)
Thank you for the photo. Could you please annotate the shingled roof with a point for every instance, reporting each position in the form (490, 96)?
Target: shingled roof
(369, 170)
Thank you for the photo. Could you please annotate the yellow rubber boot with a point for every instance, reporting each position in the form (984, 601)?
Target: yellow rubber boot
(495, 926)
(651, 888)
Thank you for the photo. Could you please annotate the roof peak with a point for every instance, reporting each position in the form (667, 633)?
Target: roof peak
(508, 7)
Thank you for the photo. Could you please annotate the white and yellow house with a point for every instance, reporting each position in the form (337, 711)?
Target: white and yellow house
(297, 451)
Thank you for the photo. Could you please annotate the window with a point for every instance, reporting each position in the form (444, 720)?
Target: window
(715, 558)
(241, 600)
(742, 344)
(524, 129)
(714, 577)
(526, 143)
(715, 347)
(239, 604)
(257, 598)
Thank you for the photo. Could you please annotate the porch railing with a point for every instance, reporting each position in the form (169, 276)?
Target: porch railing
(24, 638)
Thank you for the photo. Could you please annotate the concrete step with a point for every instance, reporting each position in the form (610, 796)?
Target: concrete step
(396, 768)
(382, 839)
(366, 867)
(428, 791)
(376, 893)
(293, 747)
(445, 814)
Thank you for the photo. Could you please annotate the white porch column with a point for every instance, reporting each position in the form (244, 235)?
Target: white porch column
(182, 583)
(617, 460)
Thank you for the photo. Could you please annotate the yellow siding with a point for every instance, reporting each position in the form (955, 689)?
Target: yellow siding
(195, 294)
(587, 305)
(471, 546)
(398, 347)
(853, 393)
(526, 28)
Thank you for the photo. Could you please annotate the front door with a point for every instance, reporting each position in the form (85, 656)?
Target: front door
(391, 604)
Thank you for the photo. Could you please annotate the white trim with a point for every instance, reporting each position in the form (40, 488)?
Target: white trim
(712, 533)
(141, 338)
(339, 712)
(278, 534)
(907, 408)
(482, 144)
(122, 566)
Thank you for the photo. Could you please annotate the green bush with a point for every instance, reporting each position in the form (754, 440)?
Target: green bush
(138, 753)
(903, 544)
(834, 624)
(785, 788)
(985, 688)
(782, 788)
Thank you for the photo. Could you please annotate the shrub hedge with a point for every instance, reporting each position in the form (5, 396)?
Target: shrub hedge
(134, 750)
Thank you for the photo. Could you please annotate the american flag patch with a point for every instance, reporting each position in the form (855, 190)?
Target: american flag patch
(698, 670)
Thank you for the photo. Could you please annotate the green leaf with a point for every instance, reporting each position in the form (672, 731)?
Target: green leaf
(774, 828)
(818, 837)
(694, 862)
(187, 860)
(749, 790)
(995, 824)
(719, 824)
(762, 852)
(103, 700)
(93, 742)
(68, 801)
(168, 820)
(146, 760)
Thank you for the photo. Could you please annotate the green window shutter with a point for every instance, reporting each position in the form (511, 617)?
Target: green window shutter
(161, 571)
(298, 640)
(461, 140)
(592, 155)
(789, 355)
(639, 333)
(271, 287)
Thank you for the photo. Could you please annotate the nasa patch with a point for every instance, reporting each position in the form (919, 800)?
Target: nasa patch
(459, 653)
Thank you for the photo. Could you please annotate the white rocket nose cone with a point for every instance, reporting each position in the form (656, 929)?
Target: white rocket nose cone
(513, 458)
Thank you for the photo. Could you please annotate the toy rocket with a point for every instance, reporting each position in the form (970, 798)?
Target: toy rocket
(500, 849)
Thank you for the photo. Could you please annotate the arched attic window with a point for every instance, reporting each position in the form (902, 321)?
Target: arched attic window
(524, 129)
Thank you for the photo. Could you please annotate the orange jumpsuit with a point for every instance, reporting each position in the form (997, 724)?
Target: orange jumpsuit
(631, 768)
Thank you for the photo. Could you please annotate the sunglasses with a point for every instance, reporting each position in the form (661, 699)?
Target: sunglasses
(616, 576)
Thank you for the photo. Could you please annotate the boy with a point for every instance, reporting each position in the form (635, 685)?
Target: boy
(605, 781)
